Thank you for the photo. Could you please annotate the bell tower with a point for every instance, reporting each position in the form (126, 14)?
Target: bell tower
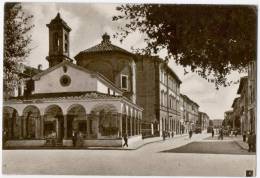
(58, 41)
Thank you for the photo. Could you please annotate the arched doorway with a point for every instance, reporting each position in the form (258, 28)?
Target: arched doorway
(31, 115)
(54, 122)
(105, 122)
(76, 120)
(11, 124)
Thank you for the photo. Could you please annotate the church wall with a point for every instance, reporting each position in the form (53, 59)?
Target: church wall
(80, 81)
(112, 66)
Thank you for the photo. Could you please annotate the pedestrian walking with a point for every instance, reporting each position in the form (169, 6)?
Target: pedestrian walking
(163, 135)
(190, 134)
(222, 134)
(212, 132)
(125, 140)
(250, 142)
(74, 137)
(244, 136)
(172, 134)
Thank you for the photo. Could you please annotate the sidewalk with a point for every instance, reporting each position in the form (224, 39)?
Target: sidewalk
(239, 141)
(132, 146)
(146, 141)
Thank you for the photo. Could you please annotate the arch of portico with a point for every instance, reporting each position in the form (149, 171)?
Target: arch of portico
(11, 121)
(53, 121)
(104, 119)
(30, 122)
(76, 120)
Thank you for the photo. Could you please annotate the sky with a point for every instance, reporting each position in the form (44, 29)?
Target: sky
(90, 21)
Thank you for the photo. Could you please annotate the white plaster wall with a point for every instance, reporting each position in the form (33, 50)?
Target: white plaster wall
(80, 81)
(103, 88)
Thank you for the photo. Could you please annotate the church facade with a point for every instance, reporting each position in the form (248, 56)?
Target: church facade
(95, 97)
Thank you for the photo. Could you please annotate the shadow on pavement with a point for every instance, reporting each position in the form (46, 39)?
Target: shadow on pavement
(210, 147)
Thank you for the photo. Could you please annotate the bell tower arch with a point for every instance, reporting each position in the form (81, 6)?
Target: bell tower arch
(59, 43)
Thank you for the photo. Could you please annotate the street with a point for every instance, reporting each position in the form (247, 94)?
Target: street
(173, 157)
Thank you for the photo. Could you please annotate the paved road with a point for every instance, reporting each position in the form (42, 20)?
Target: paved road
(211, 147)
(148, 160)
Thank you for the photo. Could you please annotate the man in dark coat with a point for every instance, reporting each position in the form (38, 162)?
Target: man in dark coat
(125, 140)
(164, 135)
(212, 132)
(254, 142)
(250, 142)
(172, 134)
(190, 134)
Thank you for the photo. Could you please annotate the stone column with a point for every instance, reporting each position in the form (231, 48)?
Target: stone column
(131, 126)
(24, 127)
(88, 117)
(134, 133)
(139, 126)
(57, 128)
(119, 116)
(65, 123)
(37, 127)
(138, 123)
(126, 124)
(42, 126)
(97, 118)
(20, 127)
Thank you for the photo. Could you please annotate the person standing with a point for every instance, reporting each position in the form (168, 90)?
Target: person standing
(254, 142)
(250, 142)
(212, 132)
(125, 140)
(190, 134)
(221, 134)
(244, 136)
(172, 134)
(164, 135)
(74, 137)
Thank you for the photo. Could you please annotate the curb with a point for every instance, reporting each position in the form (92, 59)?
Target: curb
(240, 145)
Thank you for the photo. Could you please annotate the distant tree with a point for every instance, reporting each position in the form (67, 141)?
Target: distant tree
(16, 41)
(212, 40)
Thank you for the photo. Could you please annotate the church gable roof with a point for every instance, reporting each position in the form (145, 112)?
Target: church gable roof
(104, 46)
(96, 74)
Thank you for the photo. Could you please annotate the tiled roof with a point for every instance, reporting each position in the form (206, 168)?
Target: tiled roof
(105, 46)
(59, 20)
(65, 95)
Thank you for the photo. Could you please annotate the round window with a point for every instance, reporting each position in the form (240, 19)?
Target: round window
(65, 80)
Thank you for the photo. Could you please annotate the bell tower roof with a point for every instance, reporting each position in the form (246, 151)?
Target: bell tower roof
(59, 43)
(58, 21)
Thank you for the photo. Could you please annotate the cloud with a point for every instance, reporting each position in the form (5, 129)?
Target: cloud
(90, 21)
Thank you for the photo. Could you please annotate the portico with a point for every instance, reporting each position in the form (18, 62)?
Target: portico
(99, 118)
